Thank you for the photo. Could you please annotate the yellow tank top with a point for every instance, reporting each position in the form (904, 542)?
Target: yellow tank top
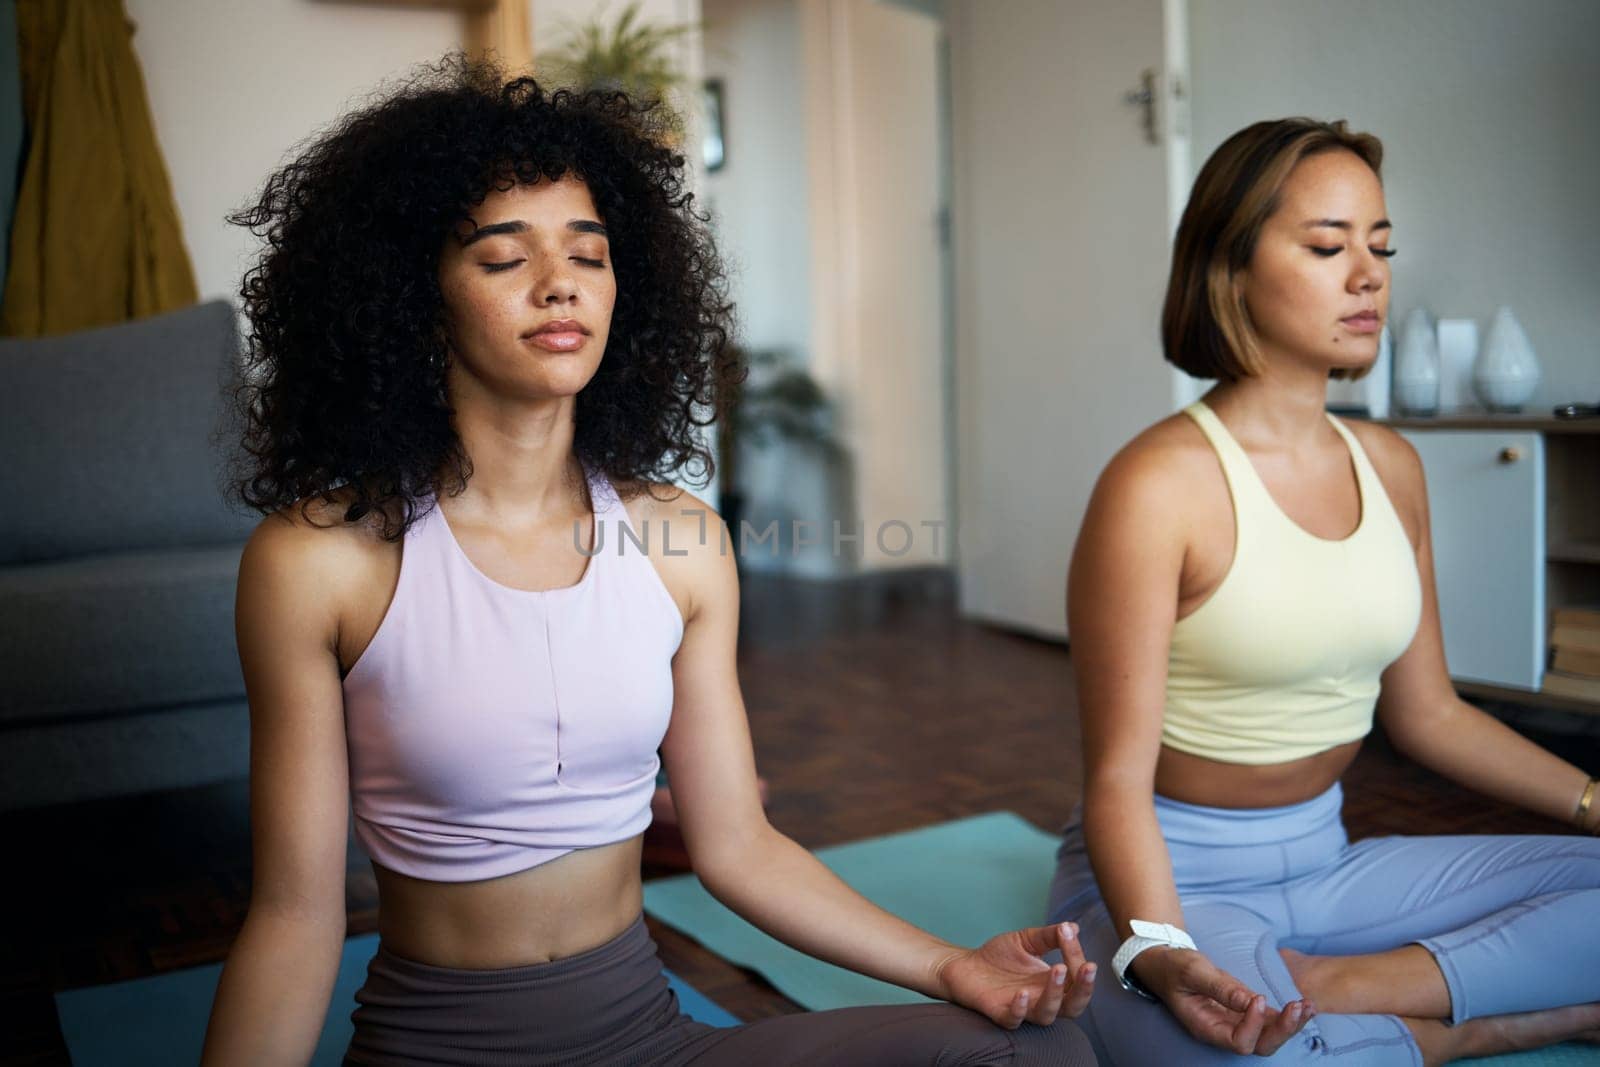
(1282, 661)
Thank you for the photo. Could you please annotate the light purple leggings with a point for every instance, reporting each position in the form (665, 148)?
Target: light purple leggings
(1513, 922)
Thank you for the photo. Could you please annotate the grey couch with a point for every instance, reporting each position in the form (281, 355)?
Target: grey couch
(118, 557)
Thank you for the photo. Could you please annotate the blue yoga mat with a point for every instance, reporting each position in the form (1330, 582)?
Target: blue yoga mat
(965, 880)
(159, 1021)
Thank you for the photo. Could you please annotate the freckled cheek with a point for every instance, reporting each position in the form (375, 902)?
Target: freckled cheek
(506, 310)
(481, 319)
(604, 301)
(491, 312)
(604, 293)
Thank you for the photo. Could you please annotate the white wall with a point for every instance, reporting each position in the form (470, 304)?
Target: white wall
(1489, 111)
(235, 84)
(759, 196)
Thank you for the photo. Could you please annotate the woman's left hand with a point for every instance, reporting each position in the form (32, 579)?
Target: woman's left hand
(1006, 979)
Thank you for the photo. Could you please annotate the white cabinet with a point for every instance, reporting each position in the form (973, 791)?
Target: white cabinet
(1516, 535)
(1486, 494)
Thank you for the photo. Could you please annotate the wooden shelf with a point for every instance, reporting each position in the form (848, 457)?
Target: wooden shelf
(1484, 420)
(1573, 552)
(469, 6)
(1528, 697)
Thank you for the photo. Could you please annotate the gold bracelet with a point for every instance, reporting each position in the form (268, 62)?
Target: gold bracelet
(1582, 813)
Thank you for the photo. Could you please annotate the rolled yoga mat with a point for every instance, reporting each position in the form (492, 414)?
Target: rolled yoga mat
(965, 881)
(161, 1020)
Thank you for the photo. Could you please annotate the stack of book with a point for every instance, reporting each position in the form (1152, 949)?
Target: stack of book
(1575, 654)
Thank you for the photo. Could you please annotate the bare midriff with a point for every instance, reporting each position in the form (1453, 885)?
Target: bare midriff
(1209, 783)
(558, 909)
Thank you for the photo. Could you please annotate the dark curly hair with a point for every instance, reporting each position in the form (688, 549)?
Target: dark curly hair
(344, 384)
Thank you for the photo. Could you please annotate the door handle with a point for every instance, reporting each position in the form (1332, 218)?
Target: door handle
(1510, 454)
(1145, 95)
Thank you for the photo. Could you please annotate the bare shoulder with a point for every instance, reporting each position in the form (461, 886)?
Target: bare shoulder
(1159, 469)
(315, 533)
(310, 550)
(1150, 501)
(687, 542)
(659, 505)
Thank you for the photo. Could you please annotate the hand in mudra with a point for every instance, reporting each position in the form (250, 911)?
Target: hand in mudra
(1006, 979)
(1216, 1007)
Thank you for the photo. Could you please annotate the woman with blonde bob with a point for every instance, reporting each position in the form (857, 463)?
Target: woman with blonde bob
(1252, 584)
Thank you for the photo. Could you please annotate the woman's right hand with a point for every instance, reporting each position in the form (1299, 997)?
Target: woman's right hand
(1216, 1007)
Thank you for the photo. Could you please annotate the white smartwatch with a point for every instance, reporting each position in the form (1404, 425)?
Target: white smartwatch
(1146, 935)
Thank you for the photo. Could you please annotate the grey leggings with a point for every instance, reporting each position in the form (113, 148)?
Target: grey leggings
(612, 1006)
(1511, 921)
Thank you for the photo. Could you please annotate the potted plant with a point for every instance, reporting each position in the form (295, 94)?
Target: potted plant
(776, 402)
(633, 55)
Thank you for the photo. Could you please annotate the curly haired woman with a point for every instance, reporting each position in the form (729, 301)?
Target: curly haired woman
(486, 329)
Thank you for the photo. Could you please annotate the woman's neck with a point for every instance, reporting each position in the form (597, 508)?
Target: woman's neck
(1282, 407)
(522, 459)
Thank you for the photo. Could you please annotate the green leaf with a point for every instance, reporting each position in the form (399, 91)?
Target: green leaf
(630, 54)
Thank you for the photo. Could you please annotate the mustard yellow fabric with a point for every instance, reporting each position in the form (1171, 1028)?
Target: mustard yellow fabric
(10, 124)
(1282, 661)
(96, 237)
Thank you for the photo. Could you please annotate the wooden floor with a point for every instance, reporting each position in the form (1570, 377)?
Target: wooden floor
(874, 709)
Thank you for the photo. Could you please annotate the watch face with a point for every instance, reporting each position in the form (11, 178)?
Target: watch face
(1130, 983)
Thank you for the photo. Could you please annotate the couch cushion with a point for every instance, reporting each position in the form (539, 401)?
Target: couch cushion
(117, 633)
(108, 437)
(78, 759)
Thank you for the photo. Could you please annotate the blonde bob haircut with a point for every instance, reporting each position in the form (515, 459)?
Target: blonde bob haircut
(1205, 328)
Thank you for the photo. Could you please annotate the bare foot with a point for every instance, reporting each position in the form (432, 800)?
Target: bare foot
(1404, 981)
(1495, 1034)
(1306, 972)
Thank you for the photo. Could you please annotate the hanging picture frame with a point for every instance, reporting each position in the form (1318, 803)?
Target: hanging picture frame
(713, 145)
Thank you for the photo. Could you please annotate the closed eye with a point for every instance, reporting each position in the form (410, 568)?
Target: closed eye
(1333, 250)
(496, 268)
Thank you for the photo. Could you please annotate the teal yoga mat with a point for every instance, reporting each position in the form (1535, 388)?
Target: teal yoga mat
(159, 1021)
(965, 880)
(1556, 1056)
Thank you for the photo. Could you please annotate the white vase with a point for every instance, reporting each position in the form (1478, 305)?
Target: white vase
(1381, 379)
(1458, 354)
(1416, 366)
(1507, 372)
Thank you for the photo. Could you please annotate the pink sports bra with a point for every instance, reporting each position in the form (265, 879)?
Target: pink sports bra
(493, 729)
